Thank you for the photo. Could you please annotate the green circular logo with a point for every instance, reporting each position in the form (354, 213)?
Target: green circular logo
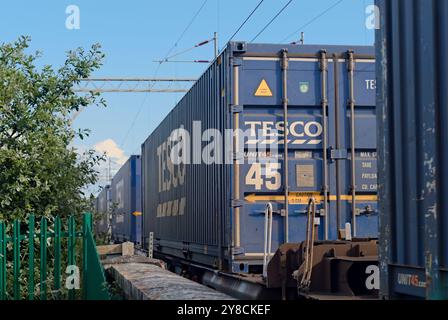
(304, 87)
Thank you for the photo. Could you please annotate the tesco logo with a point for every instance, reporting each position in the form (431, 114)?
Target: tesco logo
(304, 132)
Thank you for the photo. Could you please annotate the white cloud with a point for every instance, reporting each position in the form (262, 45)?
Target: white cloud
(115, 158)
(112, 150)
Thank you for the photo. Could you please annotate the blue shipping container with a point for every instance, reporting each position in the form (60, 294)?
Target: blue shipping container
(412, 100)
(126, 218)
(102, 207)
(214, 213)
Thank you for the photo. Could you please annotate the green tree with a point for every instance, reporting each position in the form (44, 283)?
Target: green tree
(40, 172)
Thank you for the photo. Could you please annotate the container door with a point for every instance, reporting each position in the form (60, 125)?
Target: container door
(323, 96)
(355, 184)
(264, 173)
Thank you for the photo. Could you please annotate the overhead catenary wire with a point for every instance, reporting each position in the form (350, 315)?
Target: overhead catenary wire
(313, 19)
(271, 21)
(135, 118)
(187, 61)
(167, 59)
(190, 23)
(186, 29)
(218, 20)
(245, 21)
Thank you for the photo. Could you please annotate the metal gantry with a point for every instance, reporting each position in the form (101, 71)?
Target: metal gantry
(121, 84)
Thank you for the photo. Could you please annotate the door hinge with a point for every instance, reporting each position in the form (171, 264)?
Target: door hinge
(338, 154)
(236, 108)
(237, 203)
(236, 62)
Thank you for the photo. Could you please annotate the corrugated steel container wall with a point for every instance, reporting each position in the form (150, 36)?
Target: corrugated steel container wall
(204, 186)
(412, 68)
(102, 211)
(126, 202)
(192, 214)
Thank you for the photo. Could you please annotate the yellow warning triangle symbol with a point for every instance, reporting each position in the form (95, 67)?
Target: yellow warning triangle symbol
(263, 90)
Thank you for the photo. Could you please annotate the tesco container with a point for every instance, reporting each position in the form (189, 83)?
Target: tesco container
(126, 202)
(412, 50)
(211, 211)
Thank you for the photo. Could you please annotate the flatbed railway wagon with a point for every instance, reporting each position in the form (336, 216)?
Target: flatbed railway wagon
(220, 164)
(126, 210)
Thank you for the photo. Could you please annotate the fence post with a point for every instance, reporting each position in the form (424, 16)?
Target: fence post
(86, 225)
(43, 258)
(16, 250)
(71, 249)
(57, 256)
(31, 257)
(2, 261)
(94, 281)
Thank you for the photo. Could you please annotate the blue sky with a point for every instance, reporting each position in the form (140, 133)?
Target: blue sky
(133, 33)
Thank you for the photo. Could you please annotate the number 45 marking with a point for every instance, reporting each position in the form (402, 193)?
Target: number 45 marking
(271, 177)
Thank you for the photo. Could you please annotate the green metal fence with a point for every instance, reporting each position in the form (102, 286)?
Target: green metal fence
(24, 239)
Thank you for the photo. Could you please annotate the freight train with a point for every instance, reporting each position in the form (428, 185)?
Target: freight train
(262, 181)
(120, 203)
(303, 173)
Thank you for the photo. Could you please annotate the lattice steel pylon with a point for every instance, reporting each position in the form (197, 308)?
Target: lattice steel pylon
(110, 84)
(123, 84)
